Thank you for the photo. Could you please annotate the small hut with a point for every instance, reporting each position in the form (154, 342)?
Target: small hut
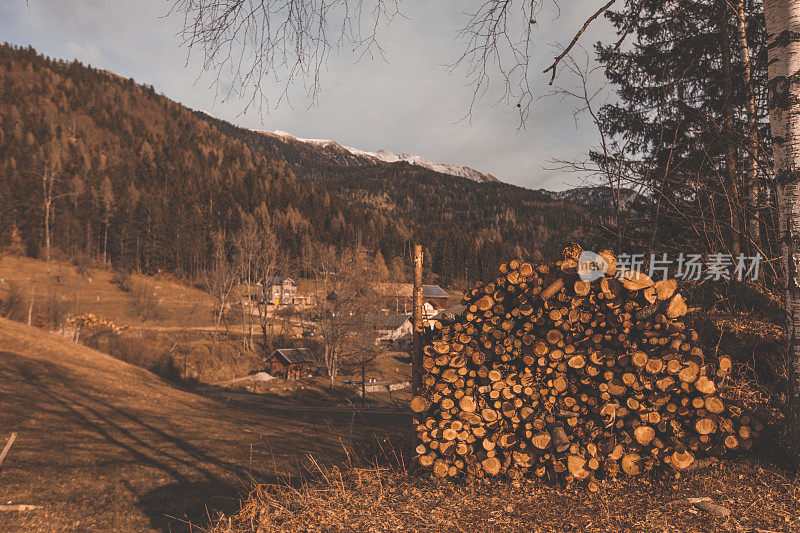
(289, 362)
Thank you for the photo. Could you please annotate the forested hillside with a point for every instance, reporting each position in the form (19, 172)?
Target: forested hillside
(145, 182)
(474, 225)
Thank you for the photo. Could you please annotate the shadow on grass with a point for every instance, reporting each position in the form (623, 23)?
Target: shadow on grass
(104, 446)
(188, 505)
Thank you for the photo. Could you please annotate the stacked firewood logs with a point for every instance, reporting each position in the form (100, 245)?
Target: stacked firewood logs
(91, 321)
(547, 374)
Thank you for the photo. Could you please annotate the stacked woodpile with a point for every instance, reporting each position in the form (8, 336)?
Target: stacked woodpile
(90, 320)
(75, 325)
(547, 374)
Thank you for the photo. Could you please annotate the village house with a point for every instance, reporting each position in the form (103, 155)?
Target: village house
(276, 292)
(451, 312)
(283, 291)
(396, 330)
(280, 290)
(289, 363)
(399, 298)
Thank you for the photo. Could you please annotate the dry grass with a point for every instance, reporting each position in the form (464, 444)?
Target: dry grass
(179, 305)
(107, 446)
(759, 496)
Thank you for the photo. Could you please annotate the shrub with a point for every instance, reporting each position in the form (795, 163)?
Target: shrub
(144, 303)
(14, 306)
(178, 359)
(149, 351)
(123, 279)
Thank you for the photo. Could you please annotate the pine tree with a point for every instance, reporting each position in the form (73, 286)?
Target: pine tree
(679, 124)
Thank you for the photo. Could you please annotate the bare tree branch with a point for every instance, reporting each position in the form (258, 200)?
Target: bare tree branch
(560, 56)
(245, 42)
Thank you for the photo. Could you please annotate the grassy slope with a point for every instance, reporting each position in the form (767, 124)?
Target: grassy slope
(106, 445)
(180, 304)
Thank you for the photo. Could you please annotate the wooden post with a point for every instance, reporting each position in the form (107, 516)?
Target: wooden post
(416, 355)
(7, 447)
(363, 384)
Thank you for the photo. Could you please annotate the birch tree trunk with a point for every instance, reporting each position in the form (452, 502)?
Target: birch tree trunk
(783, 35)
(331, 362)
(30, 305)
(752, 185)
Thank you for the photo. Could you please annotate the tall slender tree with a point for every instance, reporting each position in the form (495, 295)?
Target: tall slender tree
(51, 174)
(783, 30)
(676, 126)
(107, 205)
(731, 175)
(752, 182)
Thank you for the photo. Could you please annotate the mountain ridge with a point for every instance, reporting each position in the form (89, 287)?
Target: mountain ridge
(602, 196)
(350, 156)
(386, 156)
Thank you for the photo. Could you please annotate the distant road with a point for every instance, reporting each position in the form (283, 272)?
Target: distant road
(268, 404)
(234, 328)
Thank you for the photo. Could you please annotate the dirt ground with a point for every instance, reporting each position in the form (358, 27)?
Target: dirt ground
(105, 446)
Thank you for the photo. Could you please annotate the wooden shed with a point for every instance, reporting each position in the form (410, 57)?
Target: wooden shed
(289, 362)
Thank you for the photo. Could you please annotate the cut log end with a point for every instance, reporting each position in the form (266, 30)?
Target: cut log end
(632, 464)
(419, 404)
(676, 307)
(681, 460)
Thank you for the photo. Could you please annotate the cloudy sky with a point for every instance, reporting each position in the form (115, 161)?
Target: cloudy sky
(405, 102)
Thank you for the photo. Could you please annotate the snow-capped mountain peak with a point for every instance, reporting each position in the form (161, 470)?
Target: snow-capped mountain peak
(386, 156)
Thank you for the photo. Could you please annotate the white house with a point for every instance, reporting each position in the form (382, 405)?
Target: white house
(396, 330)
(281, 291)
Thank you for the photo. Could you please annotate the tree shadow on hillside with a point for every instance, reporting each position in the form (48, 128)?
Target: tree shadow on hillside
(190, 505)
(90, 441)
(100, 447)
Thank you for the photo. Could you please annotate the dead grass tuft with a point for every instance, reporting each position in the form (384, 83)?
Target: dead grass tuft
(390, 499)
(381, 489)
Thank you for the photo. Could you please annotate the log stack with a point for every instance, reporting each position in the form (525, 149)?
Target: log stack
(546, 374)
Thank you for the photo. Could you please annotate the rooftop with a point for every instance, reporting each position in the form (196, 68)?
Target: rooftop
(395, 321)
(406, 290)
(279, 280)
(294, 355)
